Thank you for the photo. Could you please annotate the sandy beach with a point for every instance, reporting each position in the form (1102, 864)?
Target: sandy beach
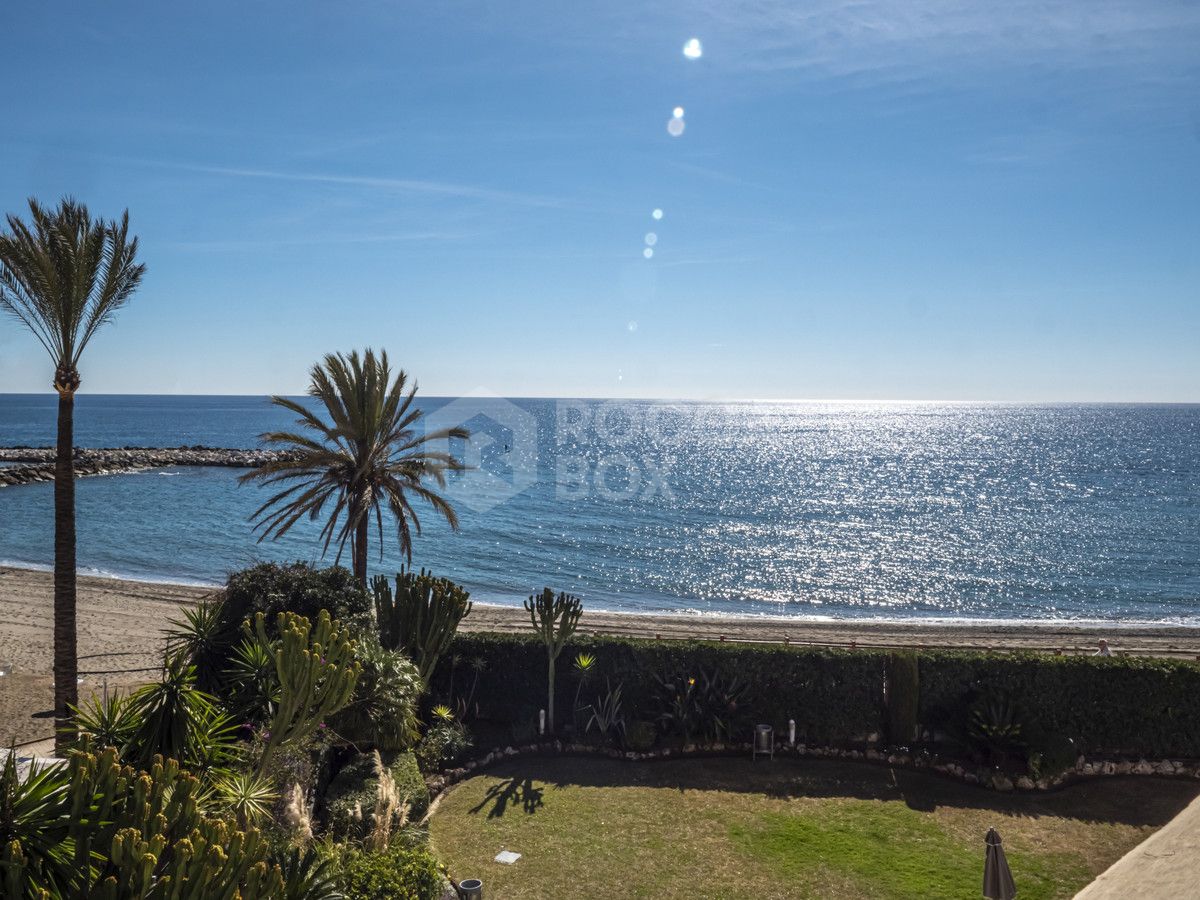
(121, 635)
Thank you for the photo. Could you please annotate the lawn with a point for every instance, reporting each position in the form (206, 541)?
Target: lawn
(788, 828)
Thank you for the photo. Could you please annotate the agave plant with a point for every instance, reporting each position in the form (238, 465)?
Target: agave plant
(247, 796)
(107, 722)
(607, 718)
(994, 727)
(678, 711)
(717, 701)
(309, 874)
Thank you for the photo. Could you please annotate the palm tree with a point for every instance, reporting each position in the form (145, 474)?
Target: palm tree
(63, 276)
(368, 456)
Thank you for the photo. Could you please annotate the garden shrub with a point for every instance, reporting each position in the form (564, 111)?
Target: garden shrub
(272, 588)
(1123, 705)
(444, 743)
(834, 695)
(383, 712)
(1126, 705)
(903, 697)
(397, 873)
(356, 787)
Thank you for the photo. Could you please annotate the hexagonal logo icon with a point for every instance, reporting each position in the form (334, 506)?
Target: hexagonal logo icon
(502, 453)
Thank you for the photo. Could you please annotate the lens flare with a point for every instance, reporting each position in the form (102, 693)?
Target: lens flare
(633, 326)
(677, 112)
(693, 49)
(651, 239)
(648, 253)
(675, 127)
(656, 215)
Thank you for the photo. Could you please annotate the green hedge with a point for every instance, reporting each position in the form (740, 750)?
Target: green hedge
(1126, 705)
(1135, 705)
(834, 695)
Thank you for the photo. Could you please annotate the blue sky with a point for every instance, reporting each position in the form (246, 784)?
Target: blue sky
(909, 200)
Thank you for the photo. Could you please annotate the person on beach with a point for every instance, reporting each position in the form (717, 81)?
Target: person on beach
(1104, 650)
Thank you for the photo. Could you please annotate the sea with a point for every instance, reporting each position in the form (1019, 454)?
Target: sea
(940, 511)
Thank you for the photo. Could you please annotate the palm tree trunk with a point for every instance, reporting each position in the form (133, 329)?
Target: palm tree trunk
(66, 666)
(360, 551)
(550, 696)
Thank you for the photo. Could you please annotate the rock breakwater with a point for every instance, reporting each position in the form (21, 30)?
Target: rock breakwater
(34, 464)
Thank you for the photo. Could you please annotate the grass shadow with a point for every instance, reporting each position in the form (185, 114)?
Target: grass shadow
(512, 791)
(1129, 800)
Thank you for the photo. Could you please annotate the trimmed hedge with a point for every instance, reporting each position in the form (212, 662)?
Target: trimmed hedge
(834, 695)
(1137, 705)
(1107, 705)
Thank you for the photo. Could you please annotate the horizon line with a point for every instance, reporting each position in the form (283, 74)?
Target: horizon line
(763, 400)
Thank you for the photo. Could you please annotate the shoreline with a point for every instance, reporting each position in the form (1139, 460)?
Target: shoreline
(121, 635)
(708, 620)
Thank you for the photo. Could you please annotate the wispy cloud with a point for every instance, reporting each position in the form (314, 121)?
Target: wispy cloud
(893, 39)
(317, 240)
(399, 185)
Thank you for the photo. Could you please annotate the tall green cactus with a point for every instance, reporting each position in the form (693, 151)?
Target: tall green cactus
(554, 619)
(124, 833)
(421, 618)
(317, 672)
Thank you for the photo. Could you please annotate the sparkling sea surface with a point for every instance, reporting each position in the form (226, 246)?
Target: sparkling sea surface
(897, 510)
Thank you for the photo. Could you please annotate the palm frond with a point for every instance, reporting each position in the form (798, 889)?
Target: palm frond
(359, 449)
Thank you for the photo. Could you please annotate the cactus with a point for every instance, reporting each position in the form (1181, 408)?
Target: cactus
(554, 619)
(422, 616)
(128, 833)
(317, 672)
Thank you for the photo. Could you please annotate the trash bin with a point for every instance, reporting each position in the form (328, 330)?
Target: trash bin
(470, 889)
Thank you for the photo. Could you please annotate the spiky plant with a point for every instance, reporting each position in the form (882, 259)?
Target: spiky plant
(247, 796)
(63, 276)
(554, 618)
(317, 672)
(584, 665)
(421, 617)
(369, 456)
(198, 636)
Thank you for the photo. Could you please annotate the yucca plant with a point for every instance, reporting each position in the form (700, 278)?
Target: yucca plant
(252, 682)
(367, 457)
(199, 637)
(247, 796)
(106, 721)
(37, 851)
(177, 720)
